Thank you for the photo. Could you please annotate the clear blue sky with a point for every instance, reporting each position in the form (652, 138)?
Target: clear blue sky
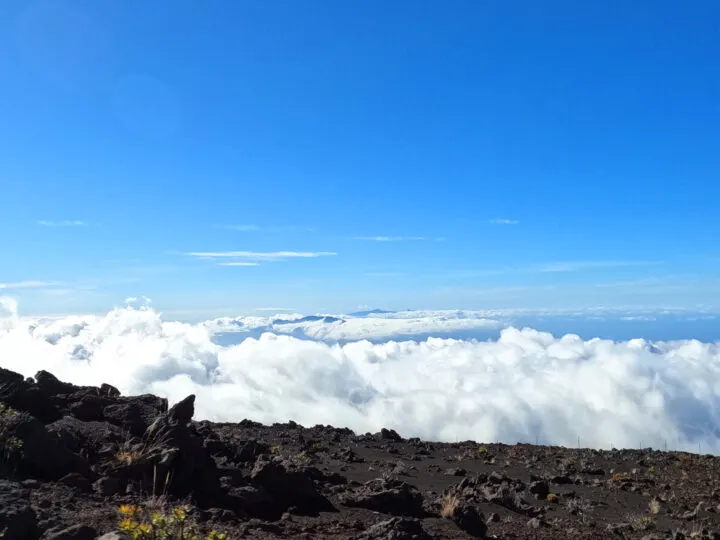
(460, 154)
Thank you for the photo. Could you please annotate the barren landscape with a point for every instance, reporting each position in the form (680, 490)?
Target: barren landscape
(78, 461)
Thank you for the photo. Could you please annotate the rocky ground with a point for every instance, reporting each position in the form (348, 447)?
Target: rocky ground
(71, 457)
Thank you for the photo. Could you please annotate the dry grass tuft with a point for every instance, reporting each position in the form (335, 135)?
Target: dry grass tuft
(449, 505)
(654, 506)
(641, 522)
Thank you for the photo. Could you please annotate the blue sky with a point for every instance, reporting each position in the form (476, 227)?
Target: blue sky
(393, 154)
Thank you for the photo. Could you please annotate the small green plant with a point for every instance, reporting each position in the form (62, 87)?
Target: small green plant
(141, 524)
(651, 470)
(553, 498)
(10, 446)
(276, 449)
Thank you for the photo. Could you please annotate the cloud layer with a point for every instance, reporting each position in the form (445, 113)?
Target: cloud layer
(524, 386)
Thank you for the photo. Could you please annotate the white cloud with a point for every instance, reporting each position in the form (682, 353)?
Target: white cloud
(397, 238)
(239, 263)
(259, 255)
(503, 221)
(25, 285)
(524, 386)
(67, 223)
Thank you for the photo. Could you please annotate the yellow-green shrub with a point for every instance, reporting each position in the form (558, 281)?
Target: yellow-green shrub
(141, 524)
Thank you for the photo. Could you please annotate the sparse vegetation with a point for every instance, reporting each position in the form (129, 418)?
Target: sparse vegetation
(450, 503)
(275, 449)
(142, 524)
(553, 498)
(641, 522)
(620, 477)
(10, 446)
(654, 506)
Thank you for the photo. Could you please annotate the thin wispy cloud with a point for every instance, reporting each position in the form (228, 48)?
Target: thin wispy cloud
(542, 268)
(397, 238)
(67, 223)
(504, 221)
(260, 255)
(25, 285)
(268, 229)
(253, 258)
(576, 266)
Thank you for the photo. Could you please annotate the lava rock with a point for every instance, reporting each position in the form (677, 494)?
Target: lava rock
(389, 496)
(76, 481)
(17, 518)
(289, 484)
(540, 489)
(42, 455)
(396, 529)
(135, 414)
(75, 532)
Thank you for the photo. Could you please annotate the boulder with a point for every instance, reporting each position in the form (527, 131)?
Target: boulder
(172, 457)
(87, 437)
(467, 517)
(389, 496)
(50, 384)
(135, 414)
(23, 395)
(289, 485)
(396, 529)
(42, 454)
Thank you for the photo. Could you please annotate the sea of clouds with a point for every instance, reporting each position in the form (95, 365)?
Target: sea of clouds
(441, 375)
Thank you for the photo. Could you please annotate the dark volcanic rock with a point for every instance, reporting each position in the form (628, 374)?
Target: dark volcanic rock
(289, 485)
(42, 455)
(173, 459)
(388, 496)
(90, 437)
(135, 414)
(396, 529)
(50, 384)
(89, 408)
(254, 501)
(468, 518)
(390, 435)
(539, 488)
(74, 532)
(76, 481)
(251, 450)
(17, 518)
(109, 390)
(23, 395)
